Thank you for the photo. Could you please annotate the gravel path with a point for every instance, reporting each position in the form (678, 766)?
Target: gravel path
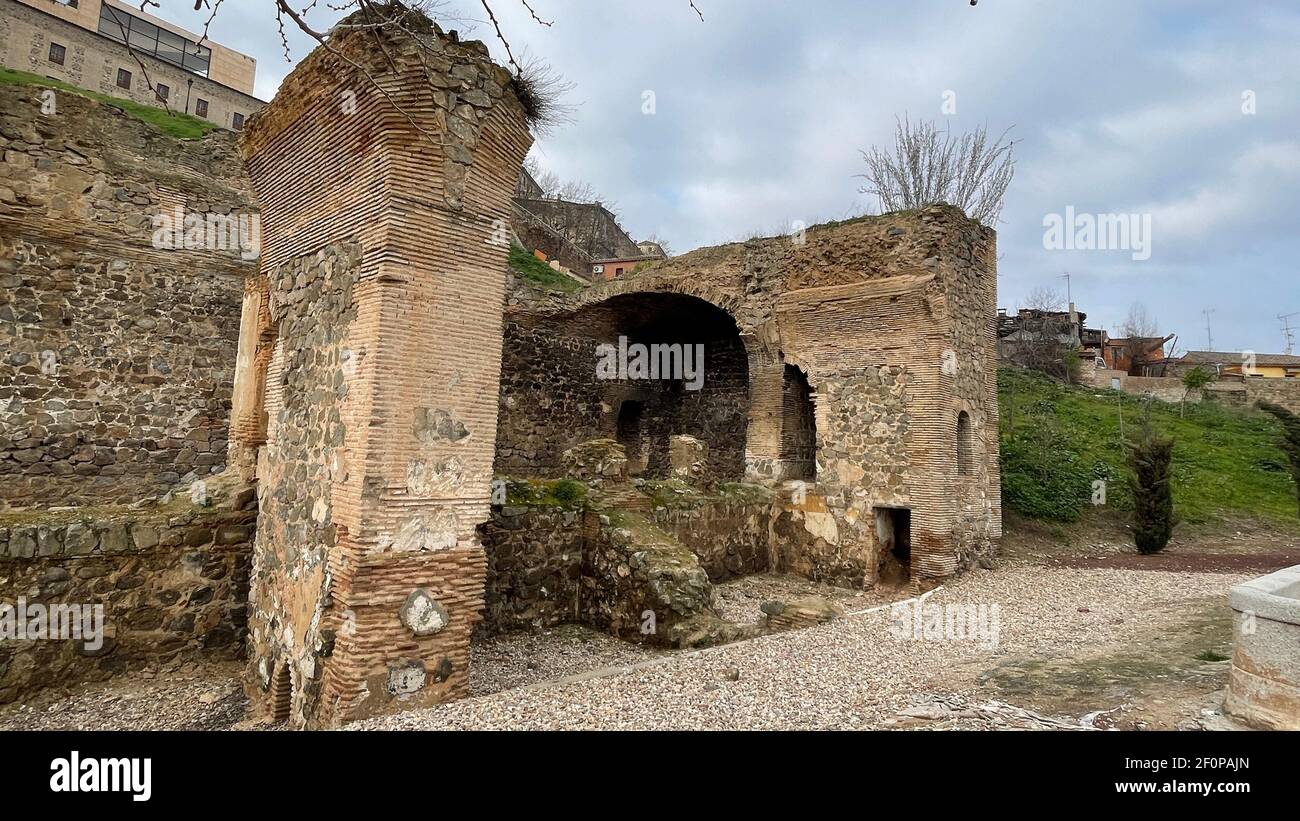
(851, 673)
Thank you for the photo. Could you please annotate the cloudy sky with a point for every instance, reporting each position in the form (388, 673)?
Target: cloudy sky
(762, 108)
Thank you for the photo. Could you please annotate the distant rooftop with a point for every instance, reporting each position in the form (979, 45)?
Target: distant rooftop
(1217, 357)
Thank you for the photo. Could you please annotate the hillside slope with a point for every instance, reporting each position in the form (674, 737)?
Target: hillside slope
(1057, 439)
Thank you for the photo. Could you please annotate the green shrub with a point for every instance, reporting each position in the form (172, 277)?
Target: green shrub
(1151, 459)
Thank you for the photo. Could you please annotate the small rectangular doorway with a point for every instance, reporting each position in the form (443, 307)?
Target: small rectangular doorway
(894, 544)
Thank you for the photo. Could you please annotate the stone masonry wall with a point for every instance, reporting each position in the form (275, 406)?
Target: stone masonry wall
(172, 581)
(118, 356)
(911, 296)
(1284, 392)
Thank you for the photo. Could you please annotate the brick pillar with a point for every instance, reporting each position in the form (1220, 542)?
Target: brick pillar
(384, 252)
(763, 431)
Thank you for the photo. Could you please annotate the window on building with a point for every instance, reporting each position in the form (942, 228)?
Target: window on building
(201, 107)
(123, 78)
(163, 91)
(236, 121)
(57, 54)
(146, 38)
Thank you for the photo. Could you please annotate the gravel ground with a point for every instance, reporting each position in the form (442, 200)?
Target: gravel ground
(738, 600)
(523, 659)
(851, 673)
(206, 697)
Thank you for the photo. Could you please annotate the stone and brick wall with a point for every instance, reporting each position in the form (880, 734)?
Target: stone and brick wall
(377, 458)
(115, 392)
(893, 322)
(119, 356)
(1284, 392)
(552, 398)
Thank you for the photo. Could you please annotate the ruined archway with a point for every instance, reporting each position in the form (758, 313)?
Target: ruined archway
(639, 368)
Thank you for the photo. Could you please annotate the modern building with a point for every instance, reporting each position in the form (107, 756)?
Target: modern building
(85, 43)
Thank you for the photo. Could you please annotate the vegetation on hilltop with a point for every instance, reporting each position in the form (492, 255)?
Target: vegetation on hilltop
(181, 126)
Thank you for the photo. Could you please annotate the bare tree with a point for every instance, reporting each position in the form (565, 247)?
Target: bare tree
(1044, 298)
(928, 166)
(556, 187)
(1139, 323)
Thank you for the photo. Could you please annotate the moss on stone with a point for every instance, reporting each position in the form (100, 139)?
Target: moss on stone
(559, 493)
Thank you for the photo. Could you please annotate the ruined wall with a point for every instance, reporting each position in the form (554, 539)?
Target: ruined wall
(730, 539)
(893, 321)
(114, 391)
(116, 377)
(552, 398)
(549, 399)
(172, 582)
(368, 582)
(534, 564)
(1284, 392)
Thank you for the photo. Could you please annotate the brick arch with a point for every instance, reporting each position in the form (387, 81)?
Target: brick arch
(734, 306)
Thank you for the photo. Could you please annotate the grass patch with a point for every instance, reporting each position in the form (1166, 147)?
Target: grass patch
(530, 268)
(181, 126)
(562, 493)
(1210, 655)
(1226, 460)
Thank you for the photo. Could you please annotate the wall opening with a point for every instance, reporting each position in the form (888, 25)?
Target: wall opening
(566, 379)
(629, 434)
(281, 694)
(965, 446)
(894, 541)
(798, 426)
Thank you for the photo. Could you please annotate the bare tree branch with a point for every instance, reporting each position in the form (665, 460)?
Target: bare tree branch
(927, 166)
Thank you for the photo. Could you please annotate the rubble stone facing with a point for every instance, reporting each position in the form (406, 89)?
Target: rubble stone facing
(173, 583)
(1284, 392)
(118, 357)
(534, 563)
(365, 397)
(608, 569)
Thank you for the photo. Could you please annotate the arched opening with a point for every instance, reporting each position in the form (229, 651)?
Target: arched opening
(639, 368)
(965, 445)
(798, 426)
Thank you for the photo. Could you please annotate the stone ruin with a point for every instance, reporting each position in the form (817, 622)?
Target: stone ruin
(434, 452)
